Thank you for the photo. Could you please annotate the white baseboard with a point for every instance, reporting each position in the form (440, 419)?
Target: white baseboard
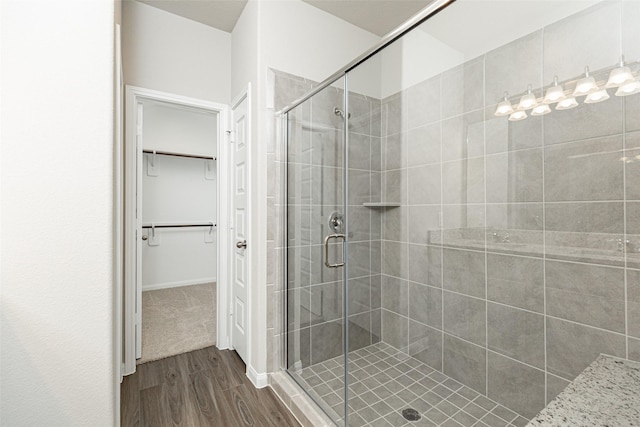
(222, 343)
(258, 380)
(167, 285)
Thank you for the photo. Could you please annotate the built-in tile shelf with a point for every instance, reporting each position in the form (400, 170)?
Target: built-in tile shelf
(595, 248)
(381, 205)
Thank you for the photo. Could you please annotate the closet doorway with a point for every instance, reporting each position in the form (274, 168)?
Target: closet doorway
(174, 225)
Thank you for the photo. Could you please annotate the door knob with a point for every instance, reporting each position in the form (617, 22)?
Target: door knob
(145, 237)
(241, 245)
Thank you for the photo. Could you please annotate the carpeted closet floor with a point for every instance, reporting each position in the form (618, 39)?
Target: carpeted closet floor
(177, 320)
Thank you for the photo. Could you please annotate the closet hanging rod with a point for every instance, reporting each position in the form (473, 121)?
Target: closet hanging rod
(208, 224)
(169, 153)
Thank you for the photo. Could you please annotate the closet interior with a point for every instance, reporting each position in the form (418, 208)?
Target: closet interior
(177, 177)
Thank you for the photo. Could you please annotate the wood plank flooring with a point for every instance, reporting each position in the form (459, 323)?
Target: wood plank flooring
(201, 388)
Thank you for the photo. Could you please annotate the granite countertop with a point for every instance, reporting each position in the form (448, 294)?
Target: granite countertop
(607, 393)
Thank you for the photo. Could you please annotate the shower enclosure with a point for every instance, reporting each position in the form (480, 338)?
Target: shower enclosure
(463, 215)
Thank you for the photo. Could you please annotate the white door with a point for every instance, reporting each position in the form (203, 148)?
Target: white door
(132, 292)
(239, 264)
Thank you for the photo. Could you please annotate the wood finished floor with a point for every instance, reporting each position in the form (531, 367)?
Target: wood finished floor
(205, 387)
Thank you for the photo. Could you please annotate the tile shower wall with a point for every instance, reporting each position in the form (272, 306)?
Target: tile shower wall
(315, 293)
(513, 259)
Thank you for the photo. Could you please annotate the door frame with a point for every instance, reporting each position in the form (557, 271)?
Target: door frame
(244, 95)
(131, 168)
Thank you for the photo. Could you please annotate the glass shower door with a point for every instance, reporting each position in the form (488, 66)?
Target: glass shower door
(316, 250)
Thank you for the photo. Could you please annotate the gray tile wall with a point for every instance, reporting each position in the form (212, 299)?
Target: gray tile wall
(286, 87)
(514, 258)
(365, 249)
(316, 183)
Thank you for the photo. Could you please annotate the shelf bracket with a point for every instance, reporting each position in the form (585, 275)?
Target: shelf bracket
(153, 167)
(210, 169)
(154, 239)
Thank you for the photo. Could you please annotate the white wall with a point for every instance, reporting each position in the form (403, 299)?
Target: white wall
(244, 50)
(413, 59)
(179, 190)
(306, 41)
(166, 52)
(57, 150)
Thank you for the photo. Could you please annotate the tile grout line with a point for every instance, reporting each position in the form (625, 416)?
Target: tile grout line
(625, 247)
(440, 228)
(404, 162)
(405, 142)
(486, 274)
(544, 240)
(310, 222)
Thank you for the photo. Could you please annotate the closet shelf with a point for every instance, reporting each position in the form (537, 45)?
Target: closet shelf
(170, 153)
(381, 205)
(205, 224)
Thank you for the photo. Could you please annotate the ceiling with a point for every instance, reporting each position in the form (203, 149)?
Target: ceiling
(376, 16)
(382, 16)
(220, 14)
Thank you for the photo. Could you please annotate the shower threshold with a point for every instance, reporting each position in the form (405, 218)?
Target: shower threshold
(384, 383)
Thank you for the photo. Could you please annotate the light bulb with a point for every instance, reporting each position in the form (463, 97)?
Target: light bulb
(597, 96)
(630, 88)
(504, 107)
(567, 104)
(541, 110)
(619, 76)
(555, 93)
(585, 84)
(517, 116)
(528, 100)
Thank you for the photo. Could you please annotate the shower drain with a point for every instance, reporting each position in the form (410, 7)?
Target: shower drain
(410, 414)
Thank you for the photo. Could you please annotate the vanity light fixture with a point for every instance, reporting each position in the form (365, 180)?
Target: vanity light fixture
(630, 88)
(555, 93)
(528, 100)
(567, 104)
(597, 96)
(517, 116)
(625, 77)
(504, 107)
(541, 110)
(585, 85)
(619, 76)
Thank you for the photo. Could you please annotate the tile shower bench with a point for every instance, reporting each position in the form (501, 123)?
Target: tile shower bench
(607, 393)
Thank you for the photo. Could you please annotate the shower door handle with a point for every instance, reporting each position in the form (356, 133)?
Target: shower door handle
(326, 250)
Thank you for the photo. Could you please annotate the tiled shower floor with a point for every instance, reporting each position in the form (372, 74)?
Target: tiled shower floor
(384, 381)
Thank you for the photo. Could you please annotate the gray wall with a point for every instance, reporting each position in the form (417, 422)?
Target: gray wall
(502, 265)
